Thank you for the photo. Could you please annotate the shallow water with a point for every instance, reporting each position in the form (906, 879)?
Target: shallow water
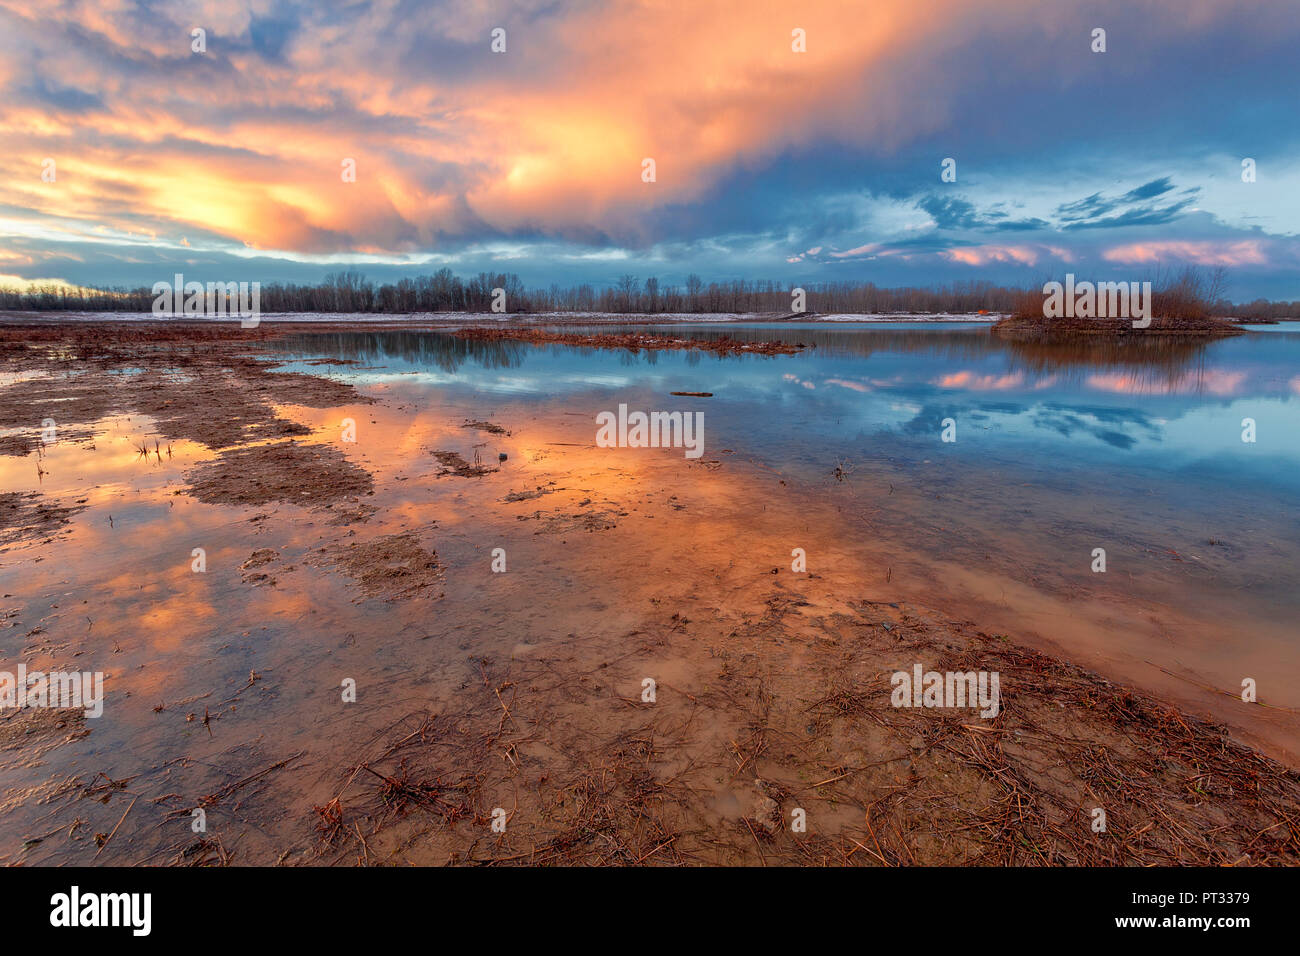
(837, 449)
(1168, 417)
(1137, 449)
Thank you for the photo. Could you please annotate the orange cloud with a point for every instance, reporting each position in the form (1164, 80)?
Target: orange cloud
(554, 139)
(982, 255)
(234, 147)
(1239, 253)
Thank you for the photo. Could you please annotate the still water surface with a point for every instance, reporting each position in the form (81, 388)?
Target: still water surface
(1136, 448)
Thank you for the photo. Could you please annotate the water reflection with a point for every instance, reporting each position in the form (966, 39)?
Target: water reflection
(1139, 365)
(1117, 423)
(436, 349)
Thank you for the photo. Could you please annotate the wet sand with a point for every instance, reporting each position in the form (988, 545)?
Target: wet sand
(522, 691)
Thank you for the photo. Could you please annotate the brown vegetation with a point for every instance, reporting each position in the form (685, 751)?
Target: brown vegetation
(1182, 304)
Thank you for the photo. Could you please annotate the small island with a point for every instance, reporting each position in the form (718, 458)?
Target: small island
(1188, 303)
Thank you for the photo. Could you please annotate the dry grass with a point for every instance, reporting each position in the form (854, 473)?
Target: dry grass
(1181, 303)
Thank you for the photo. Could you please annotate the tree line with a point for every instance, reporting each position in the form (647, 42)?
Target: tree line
(444, 291)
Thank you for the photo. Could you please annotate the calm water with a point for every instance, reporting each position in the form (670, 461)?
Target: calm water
(1154, 410)
(1135, 448)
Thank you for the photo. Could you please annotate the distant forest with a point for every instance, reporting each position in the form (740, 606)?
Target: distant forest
(444, 291)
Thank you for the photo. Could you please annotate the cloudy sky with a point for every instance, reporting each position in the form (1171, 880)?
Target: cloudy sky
(822, 165)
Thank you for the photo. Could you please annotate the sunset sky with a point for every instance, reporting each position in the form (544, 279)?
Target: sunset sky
(800, 167)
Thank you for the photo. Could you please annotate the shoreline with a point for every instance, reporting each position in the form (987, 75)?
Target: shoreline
(559, 723)
(447, 320)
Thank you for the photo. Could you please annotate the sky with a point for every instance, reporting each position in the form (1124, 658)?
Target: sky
(807, 165)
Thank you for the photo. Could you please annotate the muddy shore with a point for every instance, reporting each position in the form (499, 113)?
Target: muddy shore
(772, 688)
